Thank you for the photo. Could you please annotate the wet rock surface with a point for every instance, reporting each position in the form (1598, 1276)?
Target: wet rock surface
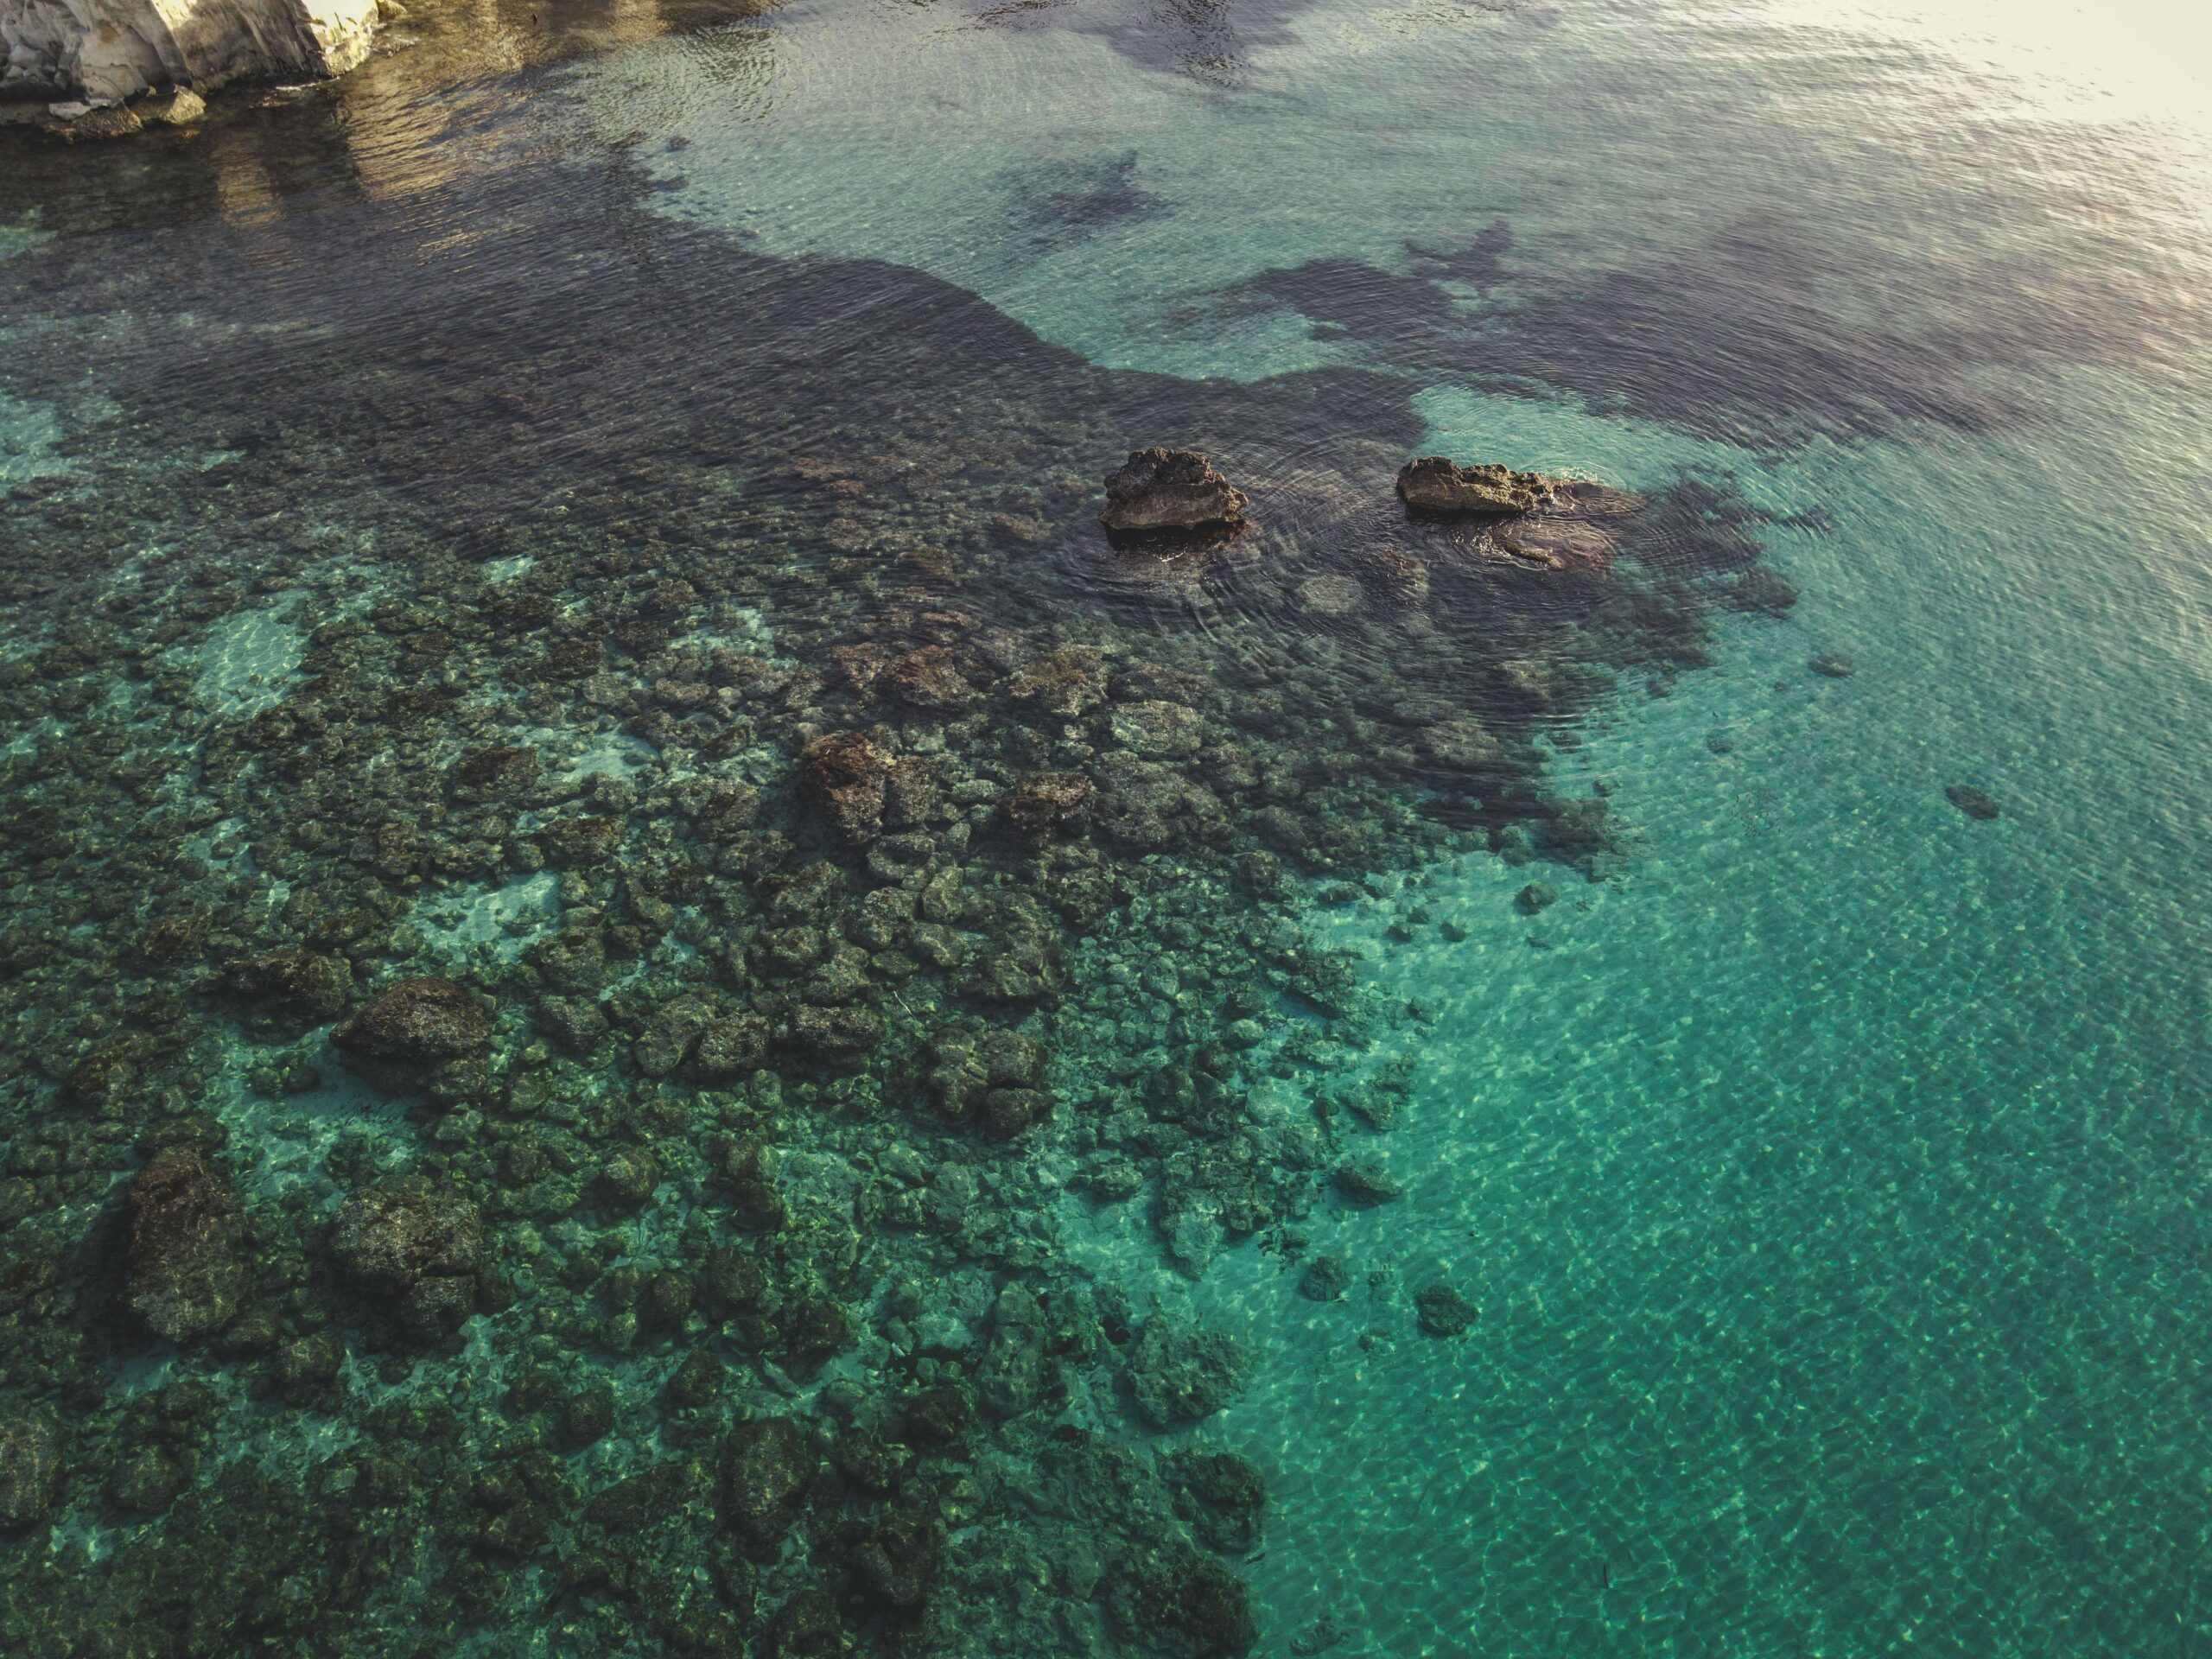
(1435, 484)
(1169, 490)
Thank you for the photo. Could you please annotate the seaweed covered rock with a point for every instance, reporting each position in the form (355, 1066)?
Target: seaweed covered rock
(1181, 1372)
(30, 1464)
(415, 1247)
(988, 1078)
(1220, 1496)
(1161, 489)
(419, 1035)
(294, 988)
(1434, 484)
(187, 1264)
(1046, 803)
(848, 774)
(1974, 802)
(768, 1463)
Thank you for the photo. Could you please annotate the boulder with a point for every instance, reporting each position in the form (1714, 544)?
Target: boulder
(848, 773)
(1048, 801)
(767, 1466)
(416, 1248)
(1169, 489)
(1181, 1372)
(1433, 484)
(420, 1034)
(187, 1265)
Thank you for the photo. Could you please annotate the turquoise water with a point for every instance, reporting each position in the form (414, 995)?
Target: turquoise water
(1825, 1163)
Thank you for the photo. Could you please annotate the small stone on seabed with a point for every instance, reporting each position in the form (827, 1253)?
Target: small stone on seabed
(1974, 802)
(1831, 665)
(1443, 1312)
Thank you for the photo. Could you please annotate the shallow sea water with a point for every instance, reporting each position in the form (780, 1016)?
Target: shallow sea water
(1830, 1167)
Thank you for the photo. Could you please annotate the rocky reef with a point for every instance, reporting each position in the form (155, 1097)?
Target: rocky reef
(557, 1108)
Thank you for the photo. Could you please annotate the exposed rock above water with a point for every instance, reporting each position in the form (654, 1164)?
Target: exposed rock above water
(1434, 484)
(90, 55)
(1169, 489)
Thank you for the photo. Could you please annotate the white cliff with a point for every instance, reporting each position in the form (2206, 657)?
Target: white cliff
(102, 52)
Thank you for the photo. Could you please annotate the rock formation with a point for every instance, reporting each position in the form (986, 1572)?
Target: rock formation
(1433, 484)
(101, 52)
(1169, 489)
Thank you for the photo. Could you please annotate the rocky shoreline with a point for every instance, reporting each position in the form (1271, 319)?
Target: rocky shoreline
(109, 68)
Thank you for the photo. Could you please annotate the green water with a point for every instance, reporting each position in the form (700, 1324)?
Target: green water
(1826, 1164)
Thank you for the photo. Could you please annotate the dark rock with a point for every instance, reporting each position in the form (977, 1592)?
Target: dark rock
(1433, 484)
(1442, 1311)
(767, 1465)
(1537, 895)
(187, 1264)
(1065, 685)
(807, 1627)
(894, 1560)
(294, 988)
(836, 1037)
(1365, 1183)
(1221, 1495)
(940, 1416)
(1047, 802)
(420, 1034)
(585, 1418)
(146, 1482)
(1325, 1279)
(1169, 489)
(927, 678)
(30, 1464)
(1974, 802)
(1181, 1372)
(1831, 666)
(1013, 1375)
(731, 1048)
(417, 1247)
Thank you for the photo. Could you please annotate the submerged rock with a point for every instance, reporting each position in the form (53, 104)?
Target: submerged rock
(187, 1267)
(1434, 484)
(849, 775)
(1974, 802)
(419, 1034)
(1181, 1372)
(30, 1466)
(767, 1465)
(1169, 489)
(416, 1247)
(1443, 1312)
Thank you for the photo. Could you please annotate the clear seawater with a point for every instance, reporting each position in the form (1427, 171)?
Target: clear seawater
(1832, 1169)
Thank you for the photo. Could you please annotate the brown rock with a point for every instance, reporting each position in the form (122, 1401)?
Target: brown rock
(927, 678)
(848, 773)
(1169, 489)
(1433, 484)
(1048, 801)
